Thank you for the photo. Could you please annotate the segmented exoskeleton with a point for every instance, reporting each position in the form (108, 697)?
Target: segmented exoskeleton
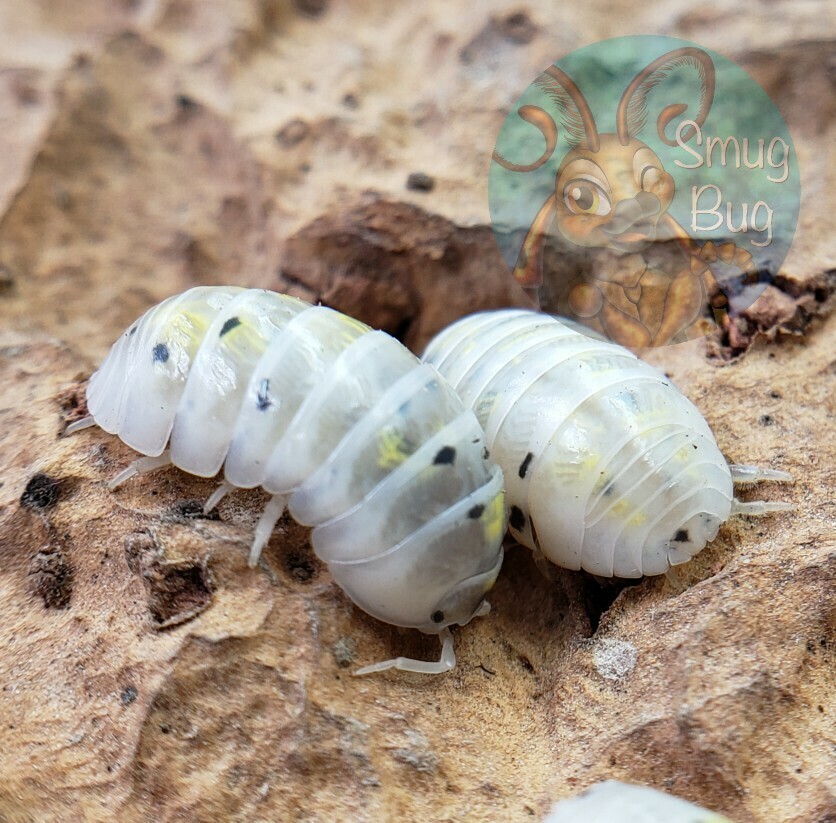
(608, 467)
(341, 424)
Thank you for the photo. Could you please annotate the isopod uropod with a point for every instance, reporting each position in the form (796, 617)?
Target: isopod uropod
(341, 424)
(607, 466)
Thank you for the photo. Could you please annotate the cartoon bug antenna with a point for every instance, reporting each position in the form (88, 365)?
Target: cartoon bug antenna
(632, 108)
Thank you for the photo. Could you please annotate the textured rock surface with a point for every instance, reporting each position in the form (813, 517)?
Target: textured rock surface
(145, 672)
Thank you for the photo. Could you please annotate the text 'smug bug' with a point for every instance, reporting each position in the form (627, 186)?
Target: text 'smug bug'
(608, 467)
(341, 424)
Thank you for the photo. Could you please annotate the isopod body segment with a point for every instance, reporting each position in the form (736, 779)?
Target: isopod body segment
(608, 467)
(341, 424)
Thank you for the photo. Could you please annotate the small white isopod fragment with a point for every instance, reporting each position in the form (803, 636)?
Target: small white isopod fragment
(616, 802)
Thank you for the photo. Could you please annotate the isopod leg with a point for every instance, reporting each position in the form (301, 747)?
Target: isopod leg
(542, 563)
(266, 523)
(675, 580)
(79, 425)
(445, 663)
(755, 474)
(141, 466)
(219, 494)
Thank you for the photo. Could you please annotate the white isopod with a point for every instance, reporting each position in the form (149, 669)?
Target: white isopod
(616, 802)
(608, 467)
(341, 424)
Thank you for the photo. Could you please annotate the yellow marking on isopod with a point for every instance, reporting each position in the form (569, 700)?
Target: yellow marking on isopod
(187, 327)
(243, 339)
(351, 325)
(624, 507)
(637, 519)
(392, 448)
(493, 518)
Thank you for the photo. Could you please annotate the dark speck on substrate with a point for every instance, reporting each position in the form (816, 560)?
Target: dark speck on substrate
(420, 181)
(41, 492)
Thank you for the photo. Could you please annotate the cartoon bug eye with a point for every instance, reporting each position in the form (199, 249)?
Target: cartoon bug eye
(586, 197)
(649, 178)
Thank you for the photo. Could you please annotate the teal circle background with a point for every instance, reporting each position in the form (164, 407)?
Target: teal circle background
(602, 71)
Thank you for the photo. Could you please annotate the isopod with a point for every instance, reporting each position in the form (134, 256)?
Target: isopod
(616, 802)
(339, 423)
(608, 467)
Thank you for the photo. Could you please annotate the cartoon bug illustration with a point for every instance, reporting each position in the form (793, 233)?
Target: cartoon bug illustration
(340, 424)
(623, 266)
(608, 467)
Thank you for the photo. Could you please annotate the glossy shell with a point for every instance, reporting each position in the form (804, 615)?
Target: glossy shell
(615, 802)
(608, 466)
(370, 447)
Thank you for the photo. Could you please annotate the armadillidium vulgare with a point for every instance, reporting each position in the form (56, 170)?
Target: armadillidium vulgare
(608, 467)
(340, 424)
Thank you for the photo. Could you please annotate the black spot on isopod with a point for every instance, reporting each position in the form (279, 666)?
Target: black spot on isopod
(526, 463)
(41, 492)
(486, 453)
(132, 332)
(263, 401)
(516, 519)
(161, 353)
(682, 536)
(476, 512)
(438, 616)
(446, 456)
(229, 325)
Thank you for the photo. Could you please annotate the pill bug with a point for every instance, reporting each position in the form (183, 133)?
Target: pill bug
(339, 423)
(608, 467)
(616, 802)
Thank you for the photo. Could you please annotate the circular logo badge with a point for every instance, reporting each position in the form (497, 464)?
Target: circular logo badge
(645, 187)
